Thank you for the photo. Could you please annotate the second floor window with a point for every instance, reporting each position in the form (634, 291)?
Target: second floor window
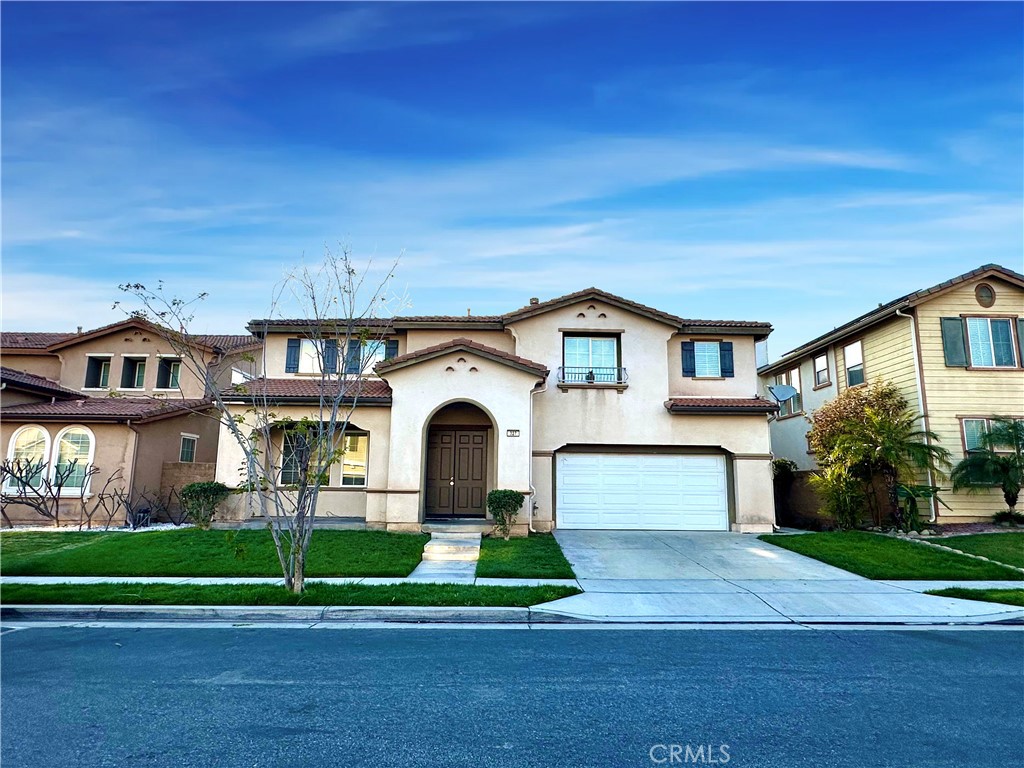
(97, 373)
(708, 359)
(168, 375)
(821, 377)
(590, 359)
(795, 404)
(853, 354)
(133, 373)
(990, 340)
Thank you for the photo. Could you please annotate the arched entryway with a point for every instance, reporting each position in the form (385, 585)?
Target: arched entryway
(459, 467)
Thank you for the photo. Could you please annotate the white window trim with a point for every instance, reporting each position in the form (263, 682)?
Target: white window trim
(815, 369)
(366, 466)
(188, 436)
(859, 343)
(56, 456)
(46, 450)
(109, 357)
(991, 343)
(138, 354)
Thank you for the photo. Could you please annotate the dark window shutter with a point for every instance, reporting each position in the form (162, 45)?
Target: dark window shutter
(352, 357)
(331, 356)
(953, 347)
(725, 358)
(689, 359)
(291, 361)
(390, 349)
(1020, 341)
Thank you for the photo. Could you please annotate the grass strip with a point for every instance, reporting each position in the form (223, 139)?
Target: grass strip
(536, 556)
(1008, 596)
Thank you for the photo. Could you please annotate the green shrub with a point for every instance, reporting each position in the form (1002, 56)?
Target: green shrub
(831, 421)
(200, 500)
(504, 506)
(843, 496)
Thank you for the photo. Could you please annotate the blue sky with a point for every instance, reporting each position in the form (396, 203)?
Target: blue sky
(796, 163)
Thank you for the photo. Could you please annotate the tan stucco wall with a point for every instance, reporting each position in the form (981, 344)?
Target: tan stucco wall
(421, 339)
(9, 397)
(953, 393)
(47, 366)
(127, 343)
(160, 443)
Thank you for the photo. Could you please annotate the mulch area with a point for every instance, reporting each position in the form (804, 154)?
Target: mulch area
(959, 529)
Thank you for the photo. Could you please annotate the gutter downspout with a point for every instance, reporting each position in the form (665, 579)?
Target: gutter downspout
(920, 405)
(533, 491)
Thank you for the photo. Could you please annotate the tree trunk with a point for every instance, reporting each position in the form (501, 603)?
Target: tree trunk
(893, 496)
(299, 576)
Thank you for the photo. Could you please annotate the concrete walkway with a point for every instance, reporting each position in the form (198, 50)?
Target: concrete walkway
(634, 576)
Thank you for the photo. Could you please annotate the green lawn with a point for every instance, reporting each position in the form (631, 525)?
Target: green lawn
(882, 557)
(1004, 547)
(536, 556)
(1008, 596)
(191, 552)
(265, 594)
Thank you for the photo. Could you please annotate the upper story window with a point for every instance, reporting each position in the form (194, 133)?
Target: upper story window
(708, 359)
(591, 359)
(821, 374)
(990, 342)
(97, 372)
(168, 374)
(321, 355)
(795, 404)
(133, 373)
(853, 355)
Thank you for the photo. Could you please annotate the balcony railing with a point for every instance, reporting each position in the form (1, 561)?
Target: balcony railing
(586, 375)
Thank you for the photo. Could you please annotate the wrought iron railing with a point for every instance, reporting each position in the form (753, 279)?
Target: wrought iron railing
(586, 375)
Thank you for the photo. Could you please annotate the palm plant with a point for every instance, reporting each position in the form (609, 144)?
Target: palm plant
(998, 462)
(892, 445)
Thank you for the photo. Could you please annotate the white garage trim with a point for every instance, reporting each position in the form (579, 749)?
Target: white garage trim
(642, 491)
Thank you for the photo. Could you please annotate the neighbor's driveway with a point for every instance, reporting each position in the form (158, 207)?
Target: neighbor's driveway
(680, 576)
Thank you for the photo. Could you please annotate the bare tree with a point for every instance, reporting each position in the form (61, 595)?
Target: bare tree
(29, 483)
(287, 461)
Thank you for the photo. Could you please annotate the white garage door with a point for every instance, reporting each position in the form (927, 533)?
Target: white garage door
(654, 492)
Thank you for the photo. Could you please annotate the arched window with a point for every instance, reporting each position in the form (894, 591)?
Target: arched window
(73, 457)
(30, 448)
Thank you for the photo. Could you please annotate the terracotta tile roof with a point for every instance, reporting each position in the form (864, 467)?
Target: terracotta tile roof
(102, 409)
(31, 339)
(468, 344)
(720, 405)
(597, 293)
(884, 311)
(218, 342)
(309, 389)
(33, 383)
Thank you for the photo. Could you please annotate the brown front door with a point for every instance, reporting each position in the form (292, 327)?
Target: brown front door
(456, 472)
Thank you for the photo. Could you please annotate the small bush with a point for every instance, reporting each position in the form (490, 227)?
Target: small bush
(200, 500)
(832, 419)
(1008, 516)
(504, 506)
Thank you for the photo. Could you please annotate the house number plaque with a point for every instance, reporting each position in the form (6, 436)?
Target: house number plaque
(512, 432)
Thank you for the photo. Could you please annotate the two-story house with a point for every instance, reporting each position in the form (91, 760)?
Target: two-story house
(604, 413)
(118, 399)
(956, 352)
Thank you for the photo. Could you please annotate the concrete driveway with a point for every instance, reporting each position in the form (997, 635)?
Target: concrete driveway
(718, 577)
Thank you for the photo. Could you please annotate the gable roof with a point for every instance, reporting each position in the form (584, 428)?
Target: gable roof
(365, 391)
(462, 345)
(103, 409)
(217, 343)
(498, 322)
(889, 309)
(40, 385)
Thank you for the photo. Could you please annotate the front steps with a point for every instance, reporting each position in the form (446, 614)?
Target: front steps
(461, 547)
(457, 526)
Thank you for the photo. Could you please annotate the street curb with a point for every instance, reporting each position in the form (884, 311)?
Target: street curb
(263, 614)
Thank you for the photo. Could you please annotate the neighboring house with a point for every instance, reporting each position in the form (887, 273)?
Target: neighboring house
(956, 352)
(118, 399)
(605, 413)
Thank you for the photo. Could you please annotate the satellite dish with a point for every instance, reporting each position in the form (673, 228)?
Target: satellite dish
(782, 392)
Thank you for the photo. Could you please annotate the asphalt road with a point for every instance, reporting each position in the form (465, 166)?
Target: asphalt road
(417, 697)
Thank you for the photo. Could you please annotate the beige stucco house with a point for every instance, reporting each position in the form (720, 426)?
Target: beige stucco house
(118, 399)
(956, 352)
(604, 413)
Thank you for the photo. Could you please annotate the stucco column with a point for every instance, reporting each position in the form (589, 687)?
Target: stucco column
(755, 499)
